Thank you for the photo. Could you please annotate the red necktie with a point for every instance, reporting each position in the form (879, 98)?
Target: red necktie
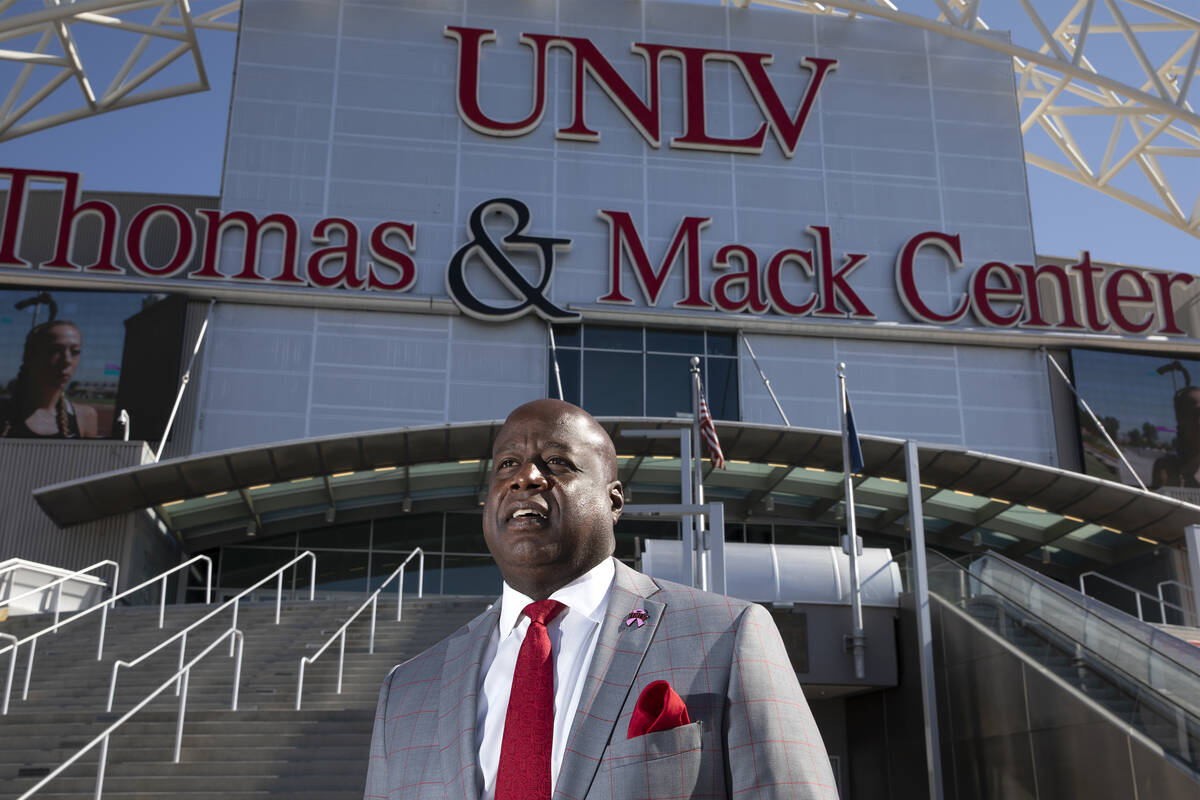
(524, 771)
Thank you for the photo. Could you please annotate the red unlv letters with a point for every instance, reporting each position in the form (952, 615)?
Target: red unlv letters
(644, 115)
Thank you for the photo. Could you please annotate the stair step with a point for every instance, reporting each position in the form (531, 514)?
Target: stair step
(265, 749)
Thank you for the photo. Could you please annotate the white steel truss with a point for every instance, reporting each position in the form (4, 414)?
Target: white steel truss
(1128, 64)
(43, 47)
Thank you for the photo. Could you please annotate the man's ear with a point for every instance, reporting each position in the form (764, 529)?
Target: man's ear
(616, 496)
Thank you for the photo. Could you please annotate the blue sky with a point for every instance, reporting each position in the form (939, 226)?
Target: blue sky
(177, 145)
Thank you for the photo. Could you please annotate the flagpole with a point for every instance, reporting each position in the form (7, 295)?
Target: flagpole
(697, 475)
(857, 640)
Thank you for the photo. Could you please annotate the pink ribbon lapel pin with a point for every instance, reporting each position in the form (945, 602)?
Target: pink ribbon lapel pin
(638, 615)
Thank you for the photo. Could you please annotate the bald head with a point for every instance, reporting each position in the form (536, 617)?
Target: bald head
(568, 416)
(553, 498)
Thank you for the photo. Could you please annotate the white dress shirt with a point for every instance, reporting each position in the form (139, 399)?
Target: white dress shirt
(573, 635)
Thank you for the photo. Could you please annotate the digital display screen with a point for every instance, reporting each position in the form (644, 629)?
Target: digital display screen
(1150, 407)
(66, 369)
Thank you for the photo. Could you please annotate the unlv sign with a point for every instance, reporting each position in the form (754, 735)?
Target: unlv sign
(644, 115)
(1076, 298)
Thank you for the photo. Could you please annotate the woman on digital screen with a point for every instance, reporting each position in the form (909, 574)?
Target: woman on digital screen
(38, 406)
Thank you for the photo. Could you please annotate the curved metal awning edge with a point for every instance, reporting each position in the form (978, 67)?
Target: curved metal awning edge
(1054, 489)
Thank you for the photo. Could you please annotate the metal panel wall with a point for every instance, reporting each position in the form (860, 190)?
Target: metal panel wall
(1009, 730)
(274, 373)
(25, 530)
(994, 400)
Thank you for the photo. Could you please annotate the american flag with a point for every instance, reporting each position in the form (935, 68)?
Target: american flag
(709, 433)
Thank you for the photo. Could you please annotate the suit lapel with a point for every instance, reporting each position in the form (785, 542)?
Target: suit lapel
(619, 653)
(457, 704)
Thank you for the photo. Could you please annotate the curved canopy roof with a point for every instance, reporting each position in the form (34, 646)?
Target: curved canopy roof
(971, 500)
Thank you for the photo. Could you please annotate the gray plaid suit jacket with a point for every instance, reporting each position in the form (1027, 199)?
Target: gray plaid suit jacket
(752, 734)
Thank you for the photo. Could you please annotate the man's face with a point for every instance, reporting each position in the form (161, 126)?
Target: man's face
(553, 497)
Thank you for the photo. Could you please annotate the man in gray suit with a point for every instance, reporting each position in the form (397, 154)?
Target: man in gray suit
(445, 720)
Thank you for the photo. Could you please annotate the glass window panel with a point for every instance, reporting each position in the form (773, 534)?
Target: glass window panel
(669, 388)
(758, 534)
(568, 335)
(602, 337)
(336, 572)
(797, 534)
(629, 531)
(722, 344)
(670, 341)
(244, 566)
(612, 383)
(568, 367)
(356, 536)
(464, 534)
(471, 575)
(409, 531)
(384, 564)
(285, 540)
(722, 389)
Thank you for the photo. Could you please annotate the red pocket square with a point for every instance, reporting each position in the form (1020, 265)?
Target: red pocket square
(658, 708)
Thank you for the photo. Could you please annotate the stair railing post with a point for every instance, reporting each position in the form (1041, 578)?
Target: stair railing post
(162, 602)
(182, 651)
(341, 660)
(103, 626)
(182, 709)
(374, 603)
(100, 768)
(300, 681)
(12, 668)
(1138, 598)
(208, 583)
(112, 685)
(400, 593)
(29, 669)
(234, 625)
(420, 573)
(278, 598)
(57, 601)
(312, 580)
(237, 667)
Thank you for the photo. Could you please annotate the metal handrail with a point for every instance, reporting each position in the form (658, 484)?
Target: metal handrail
(1138, 594)
(1190, 614)
(236, 639)
(182, 635)
(373, 602)
(1153, 691)
(103, 608)
(58, 582)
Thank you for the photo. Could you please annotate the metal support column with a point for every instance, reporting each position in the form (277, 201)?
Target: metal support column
(916, 523)
(1192, 532)
(691, 543)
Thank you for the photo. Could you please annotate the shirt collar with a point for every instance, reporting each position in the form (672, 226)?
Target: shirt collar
(585, 595)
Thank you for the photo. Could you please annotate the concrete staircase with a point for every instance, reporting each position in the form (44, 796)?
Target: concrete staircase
(266, 748)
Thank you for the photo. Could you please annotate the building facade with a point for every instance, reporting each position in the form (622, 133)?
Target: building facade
(433, 212)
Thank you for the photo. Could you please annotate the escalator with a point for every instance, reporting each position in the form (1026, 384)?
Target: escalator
(1046, 693)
